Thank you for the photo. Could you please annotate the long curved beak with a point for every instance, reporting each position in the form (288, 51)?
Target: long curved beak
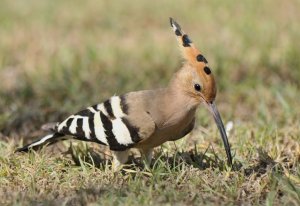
(213, 109)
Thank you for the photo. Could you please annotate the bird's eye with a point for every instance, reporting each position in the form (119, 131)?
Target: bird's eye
(197, 87)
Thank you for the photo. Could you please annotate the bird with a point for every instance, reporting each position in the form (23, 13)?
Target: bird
(148, 118)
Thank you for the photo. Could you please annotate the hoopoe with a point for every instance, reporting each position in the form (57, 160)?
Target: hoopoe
(146, 119)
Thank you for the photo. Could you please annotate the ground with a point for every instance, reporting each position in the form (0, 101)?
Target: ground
(58, 57)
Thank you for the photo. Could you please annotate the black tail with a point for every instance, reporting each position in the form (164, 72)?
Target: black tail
(48, 139)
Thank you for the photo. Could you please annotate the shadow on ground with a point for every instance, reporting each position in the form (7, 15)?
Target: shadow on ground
(192, 158)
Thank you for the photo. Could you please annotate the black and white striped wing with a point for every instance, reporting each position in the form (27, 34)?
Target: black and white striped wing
(106, 123)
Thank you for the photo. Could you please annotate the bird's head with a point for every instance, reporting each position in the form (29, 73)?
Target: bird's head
(196, 81)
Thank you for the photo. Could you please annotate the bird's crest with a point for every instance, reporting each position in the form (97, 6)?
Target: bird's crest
(190, 53)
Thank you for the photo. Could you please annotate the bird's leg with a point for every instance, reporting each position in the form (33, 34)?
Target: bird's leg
(147, 155)
(119, 158)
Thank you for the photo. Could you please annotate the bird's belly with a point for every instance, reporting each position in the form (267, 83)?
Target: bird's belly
(161, 136)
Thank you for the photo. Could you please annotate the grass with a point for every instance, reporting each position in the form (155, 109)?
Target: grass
(57, 57)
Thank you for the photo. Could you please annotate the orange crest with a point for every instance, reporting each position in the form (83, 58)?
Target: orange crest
(194, 58)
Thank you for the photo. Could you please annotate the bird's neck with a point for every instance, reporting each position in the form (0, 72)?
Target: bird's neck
(173, 106)
(177, 93)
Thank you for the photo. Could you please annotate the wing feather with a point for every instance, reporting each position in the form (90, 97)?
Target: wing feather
(109, 123)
